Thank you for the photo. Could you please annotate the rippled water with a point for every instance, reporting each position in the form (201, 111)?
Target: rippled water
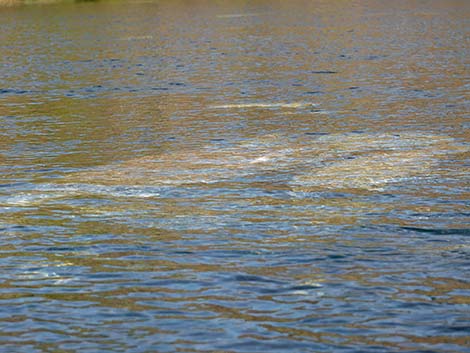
(235, 176)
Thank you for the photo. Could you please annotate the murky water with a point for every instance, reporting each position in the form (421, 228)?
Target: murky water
(237, 176)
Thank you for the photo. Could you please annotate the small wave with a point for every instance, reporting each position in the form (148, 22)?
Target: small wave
(320, 72)
(13, 91)
(131, 38)
(294, 105)
(46, 192)
(31, 198)
(439, 231)
(238, 15)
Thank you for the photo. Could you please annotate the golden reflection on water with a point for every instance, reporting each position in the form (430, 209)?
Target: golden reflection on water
(274, 173)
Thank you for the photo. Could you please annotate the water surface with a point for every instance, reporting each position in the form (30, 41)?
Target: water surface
(234, 176)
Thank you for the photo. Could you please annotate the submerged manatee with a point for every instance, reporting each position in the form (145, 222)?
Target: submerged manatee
(352, 161)
(371, 161)
(349, 161)
(185, 166)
